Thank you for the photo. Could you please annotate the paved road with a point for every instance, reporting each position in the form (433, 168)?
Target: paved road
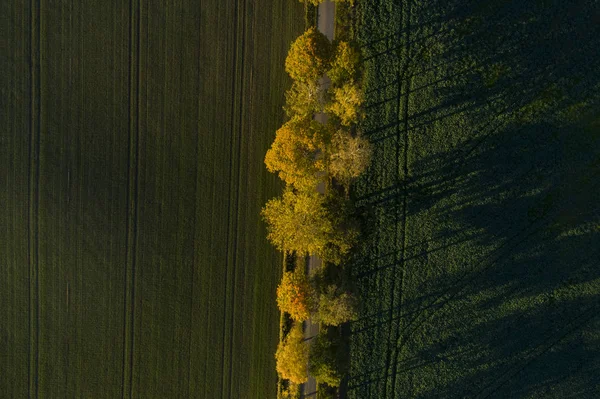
(326, 25)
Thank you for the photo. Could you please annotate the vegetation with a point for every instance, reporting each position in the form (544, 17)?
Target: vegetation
(350, 157)
(336, 307)
(294, 295)
(345, 64)
(133, 262)
(478, 277)
(309, 56)
(292, 356)
(327, 363)
(306, 153)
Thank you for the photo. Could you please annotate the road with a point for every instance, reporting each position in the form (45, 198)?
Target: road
(326, 25)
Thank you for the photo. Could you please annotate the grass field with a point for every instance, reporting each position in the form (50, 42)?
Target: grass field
(480, 272)
(132, 257)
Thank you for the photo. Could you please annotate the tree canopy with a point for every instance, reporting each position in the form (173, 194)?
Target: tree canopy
(344, 64)
(294, 295)
(309, 56)
(347, 103)
(336, 307)
(296, 153)
(292, 356)
(350, 156)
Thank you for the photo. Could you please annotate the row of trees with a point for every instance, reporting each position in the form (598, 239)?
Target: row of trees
(308, 154)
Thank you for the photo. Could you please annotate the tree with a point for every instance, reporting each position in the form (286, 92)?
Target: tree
(291, 392)
(350, 156)
(324, 362)
(336, 307)
(295, 295)
(296, 153)
(345, 64)
(298, 222)
(310, 223)
(308, 58)
(292, 356)
(304, 99)
(347, 102)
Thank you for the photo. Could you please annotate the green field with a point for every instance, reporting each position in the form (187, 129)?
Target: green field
(480, 272)
(132, 257)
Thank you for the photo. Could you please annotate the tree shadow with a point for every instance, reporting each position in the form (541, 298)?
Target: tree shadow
(479, 268)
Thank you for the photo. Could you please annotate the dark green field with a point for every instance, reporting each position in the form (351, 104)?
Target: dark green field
(133, 262)
(480, 273)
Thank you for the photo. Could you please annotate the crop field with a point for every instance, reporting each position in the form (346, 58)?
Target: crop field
(133, 262)
(480, 271)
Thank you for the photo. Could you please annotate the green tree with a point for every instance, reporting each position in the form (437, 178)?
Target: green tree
(350, 156)
(324, 363)
(292, 356)
(308, 58)
(347, 103)
(345, 64)
(336, 307)
(295, 295)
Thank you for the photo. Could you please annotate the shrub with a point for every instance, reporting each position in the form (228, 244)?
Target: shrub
(292, 355)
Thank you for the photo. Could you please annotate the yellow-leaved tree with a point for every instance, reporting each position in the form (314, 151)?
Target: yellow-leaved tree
(297, 152)
(310, 223)
(295, 295)
(304, 99)
(308, 58)
(345, 64)
(292, 356)
(298, 222)
(347, 103)
(350, 156)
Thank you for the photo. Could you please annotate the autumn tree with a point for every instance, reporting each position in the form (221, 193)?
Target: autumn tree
(308, 58)
(345, 64)
(350, 156)
(298, 222)
(297, 152)
(292, 356)
(347, 101)
(304, 99)
(336, 306)
(295, 295)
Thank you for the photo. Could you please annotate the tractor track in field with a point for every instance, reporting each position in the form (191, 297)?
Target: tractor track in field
(34, 199)
(132, 199)
(402, 135)
(234, 186)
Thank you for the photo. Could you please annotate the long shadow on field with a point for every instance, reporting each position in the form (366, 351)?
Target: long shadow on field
(479, 272)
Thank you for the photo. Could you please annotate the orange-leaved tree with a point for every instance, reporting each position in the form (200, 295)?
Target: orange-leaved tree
(292, 356)
(309, 56)
(295, 295)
